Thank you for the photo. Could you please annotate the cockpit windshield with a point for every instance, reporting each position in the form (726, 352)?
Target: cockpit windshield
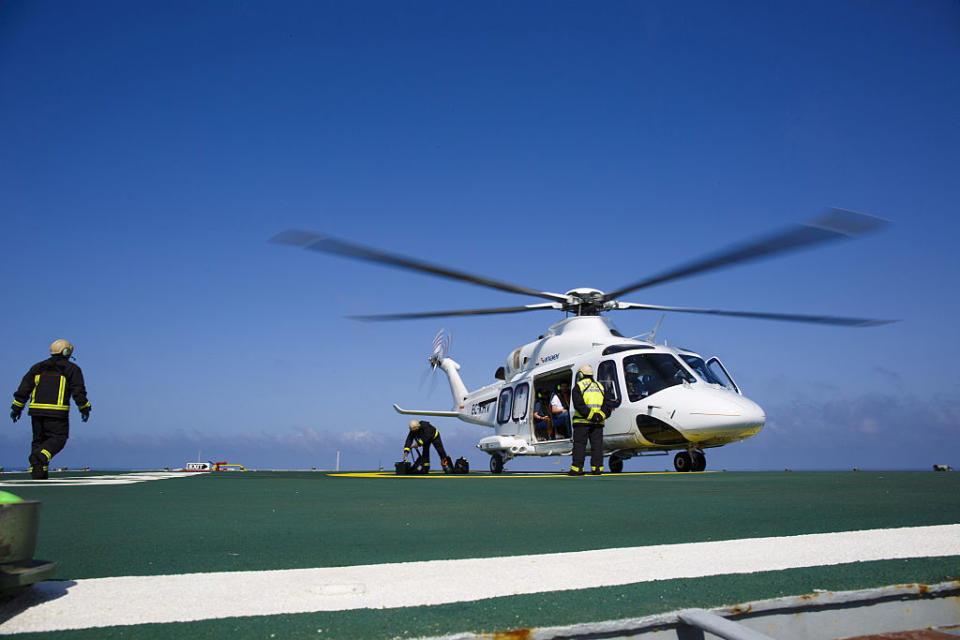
(648, 373)
(700, 368)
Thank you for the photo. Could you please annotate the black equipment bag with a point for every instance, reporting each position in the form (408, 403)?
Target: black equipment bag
(412, 468)
(417, 466)
(461, 466)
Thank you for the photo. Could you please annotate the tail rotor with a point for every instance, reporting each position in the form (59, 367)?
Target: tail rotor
(441, 347)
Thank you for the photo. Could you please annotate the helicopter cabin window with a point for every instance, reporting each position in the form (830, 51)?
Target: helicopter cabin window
(521, 400)
(607, 376)
(506, 405)
(649, 373)
(700, 368)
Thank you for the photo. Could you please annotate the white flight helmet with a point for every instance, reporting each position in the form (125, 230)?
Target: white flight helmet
(414, 425)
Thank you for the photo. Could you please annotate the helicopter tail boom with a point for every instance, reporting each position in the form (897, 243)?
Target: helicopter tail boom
(457, 388)
(425, 412)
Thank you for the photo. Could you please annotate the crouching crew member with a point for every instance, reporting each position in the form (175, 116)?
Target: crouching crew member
(591, 408)
(48, 387)
(424, 433)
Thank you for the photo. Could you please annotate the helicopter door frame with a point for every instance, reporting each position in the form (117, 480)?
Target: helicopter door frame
(553, 378)
(513, 410)
(522, 404)
(723, 370)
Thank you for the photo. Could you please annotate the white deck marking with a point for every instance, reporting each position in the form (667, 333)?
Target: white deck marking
(101, 602)
(86, 481)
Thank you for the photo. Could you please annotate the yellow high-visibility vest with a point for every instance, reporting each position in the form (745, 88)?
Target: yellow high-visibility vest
(592, 397)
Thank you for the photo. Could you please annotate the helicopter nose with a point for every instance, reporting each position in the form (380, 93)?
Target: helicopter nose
(753, 414)
(726, 415)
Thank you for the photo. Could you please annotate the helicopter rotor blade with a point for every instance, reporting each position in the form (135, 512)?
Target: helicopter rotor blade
(835, 224)
(462, 312)
(789, 317)
(327, 244)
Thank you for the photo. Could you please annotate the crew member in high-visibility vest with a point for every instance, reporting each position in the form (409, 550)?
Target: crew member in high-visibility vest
(591, 409)
(48, 387)
(422, 433)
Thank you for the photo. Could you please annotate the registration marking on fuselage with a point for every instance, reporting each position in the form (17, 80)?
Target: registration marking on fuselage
(80, 604)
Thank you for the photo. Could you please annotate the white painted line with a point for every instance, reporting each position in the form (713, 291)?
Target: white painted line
(101, 602)
(86, 481)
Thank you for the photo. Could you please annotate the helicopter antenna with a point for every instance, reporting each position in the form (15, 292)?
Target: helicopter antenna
(656, 327)
(650, 335)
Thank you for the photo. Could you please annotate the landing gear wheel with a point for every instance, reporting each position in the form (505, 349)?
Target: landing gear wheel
(683, 461)
(616, 464)
(699, 461)
(496, 463)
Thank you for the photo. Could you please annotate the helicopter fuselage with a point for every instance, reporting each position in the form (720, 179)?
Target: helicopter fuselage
(667, 398)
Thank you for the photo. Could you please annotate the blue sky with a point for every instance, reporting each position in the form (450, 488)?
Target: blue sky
(148, 150)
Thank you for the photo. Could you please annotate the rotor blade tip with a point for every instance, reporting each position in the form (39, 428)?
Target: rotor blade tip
(876, 323)
(848, 222)
(295, 237)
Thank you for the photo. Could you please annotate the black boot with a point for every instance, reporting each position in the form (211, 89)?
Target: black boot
(38, 465)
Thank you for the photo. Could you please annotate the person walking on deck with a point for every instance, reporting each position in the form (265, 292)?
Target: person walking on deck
(48, 386)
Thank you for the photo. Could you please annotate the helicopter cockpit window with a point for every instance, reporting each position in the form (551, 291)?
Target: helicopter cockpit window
(521, 396)
(506, 405)
(607, 376)
(700, 368)
(646, 374)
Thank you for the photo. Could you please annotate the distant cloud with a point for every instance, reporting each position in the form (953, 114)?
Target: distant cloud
(296, 447)
(874, 430)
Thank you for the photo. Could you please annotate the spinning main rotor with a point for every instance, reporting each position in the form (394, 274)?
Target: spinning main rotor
(835, 224)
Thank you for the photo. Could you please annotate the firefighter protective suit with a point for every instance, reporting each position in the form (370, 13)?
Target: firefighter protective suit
(48, 386)
(424, 434)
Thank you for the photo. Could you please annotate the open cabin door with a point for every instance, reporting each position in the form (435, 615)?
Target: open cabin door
(555, 426)
(720, 373)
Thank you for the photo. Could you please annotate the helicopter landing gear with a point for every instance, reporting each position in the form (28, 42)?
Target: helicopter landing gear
(690, 461)
(699, 460)
(496, 463)
(615, 463)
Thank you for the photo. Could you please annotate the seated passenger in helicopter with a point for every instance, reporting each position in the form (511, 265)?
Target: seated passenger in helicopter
(636, 384)
(647, 374)
(560, 409)
(542, 420)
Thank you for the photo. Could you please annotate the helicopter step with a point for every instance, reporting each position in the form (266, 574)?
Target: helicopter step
(502, 449)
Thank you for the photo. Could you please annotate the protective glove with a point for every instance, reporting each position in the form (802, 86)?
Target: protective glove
(15, 413)
(85, 414)
(405, 452)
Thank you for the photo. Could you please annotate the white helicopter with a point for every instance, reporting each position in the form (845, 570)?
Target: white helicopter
(668, 399)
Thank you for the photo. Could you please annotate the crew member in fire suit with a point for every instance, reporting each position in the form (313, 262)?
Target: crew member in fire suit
(425, 434)
(48, 386)
(591, 408)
